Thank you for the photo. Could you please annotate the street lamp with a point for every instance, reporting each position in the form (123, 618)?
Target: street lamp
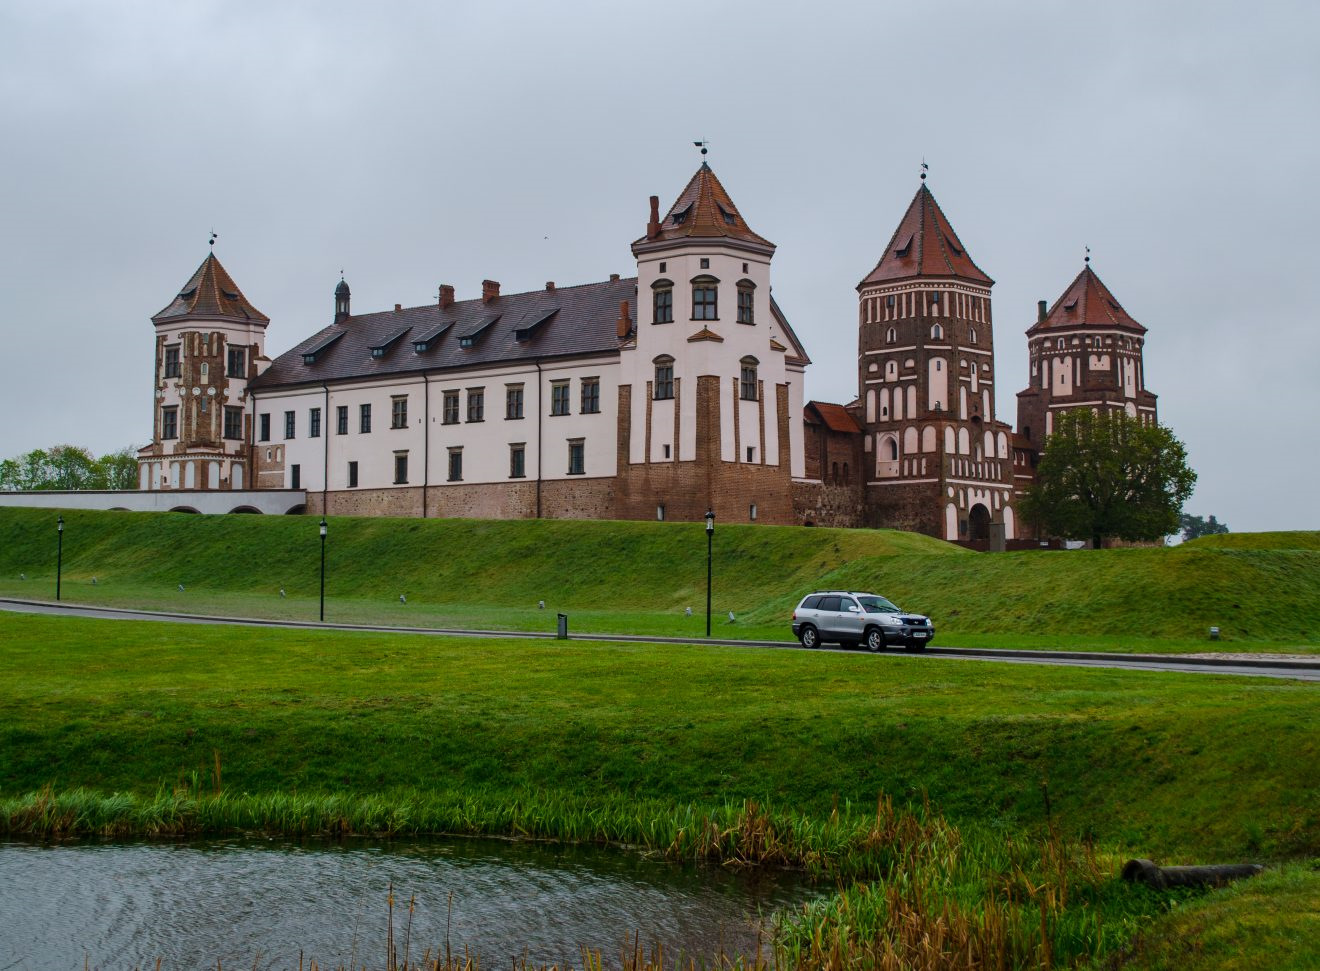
(323, 530)
(59, 554)
(710, 536)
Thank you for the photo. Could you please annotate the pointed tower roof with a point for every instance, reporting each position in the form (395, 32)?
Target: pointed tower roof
(925, 245)
(211, 292)
(1086, 303)
(704, 210)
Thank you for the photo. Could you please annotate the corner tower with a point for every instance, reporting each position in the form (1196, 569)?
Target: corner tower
(710, 398)
(210, 341)
(937, 459)
(1084, 351)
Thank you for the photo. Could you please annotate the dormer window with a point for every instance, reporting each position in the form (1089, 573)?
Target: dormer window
(680, 218)
(729, 219)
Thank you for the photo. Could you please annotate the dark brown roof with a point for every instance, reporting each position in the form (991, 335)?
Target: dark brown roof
(211, 292)
(586, 322)
(835, 417)
(704, 210)
(925, 245)
(1086, 303)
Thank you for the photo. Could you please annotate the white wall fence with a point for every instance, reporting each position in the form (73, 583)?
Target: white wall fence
(270, 501)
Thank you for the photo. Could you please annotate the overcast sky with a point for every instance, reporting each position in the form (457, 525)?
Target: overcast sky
(414, 144)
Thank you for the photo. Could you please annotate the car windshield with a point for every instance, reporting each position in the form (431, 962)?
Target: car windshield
(877, 605)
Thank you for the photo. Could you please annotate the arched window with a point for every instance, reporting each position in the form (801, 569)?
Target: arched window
(664, 377)
(835, 472)
(748, 386)
(705, 296)
(662, 302)
(746, 302)
(845, 473)
(937, 333)
(971, 335)
(1059, 345)
(891, 335)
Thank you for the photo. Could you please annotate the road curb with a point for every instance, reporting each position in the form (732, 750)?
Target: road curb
(970, 652)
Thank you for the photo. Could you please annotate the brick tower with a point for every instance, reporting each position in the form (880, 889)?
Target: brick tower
(209, 342)
(710, 383)
(1085, 352)
(936, 459)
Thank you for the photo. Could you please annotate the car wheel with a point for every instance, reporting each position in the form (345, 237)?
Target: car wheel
(875, 640)
(809, 637)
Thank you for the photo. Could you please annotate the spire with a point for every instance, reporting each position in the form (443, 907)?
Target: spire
(211, 292)
(342, 297)
(703, 210)
(1086, 303)
(925, 245)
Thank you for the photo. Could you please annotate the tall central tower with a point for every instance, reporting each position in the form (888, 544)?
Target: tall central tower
(938, 461)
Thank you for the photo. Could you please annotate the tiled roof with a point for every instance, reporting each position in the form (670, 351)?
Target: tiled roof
(1086, 303)
(586, 323)
(211, 292)
(704, 210)
(835, 417)
(925, 245)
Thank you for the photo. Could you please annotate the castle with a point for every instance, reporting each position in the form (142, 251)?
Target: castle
(657, 396)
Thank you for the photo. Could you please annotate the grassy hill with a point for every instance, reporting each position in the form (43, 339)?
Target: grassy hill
(1261, 590)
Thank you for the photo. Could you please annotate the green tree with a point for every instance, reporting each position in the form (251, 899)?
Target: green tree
(1194, 526)
(68, 467)
(1109, 475)
(117, 470)
(71, 467)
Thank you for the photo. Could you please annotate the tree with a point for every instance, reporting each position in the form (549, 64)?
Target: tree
(1106, 475)
(68, 467)
(1194, 526)
(117, 470)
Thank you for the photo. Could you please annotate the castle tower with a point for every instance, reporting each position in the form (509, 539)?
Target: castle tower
(1085, 351)
(209, 342)
(937, 460)
(710, 399)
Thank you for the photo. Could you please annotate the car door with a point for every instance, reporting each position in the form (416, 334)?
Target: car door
(852, 619)
(827, 618)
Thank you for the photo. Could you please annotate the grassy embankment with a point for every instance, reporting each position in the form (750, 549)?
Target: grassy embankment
(1261, 590)
(701, 752)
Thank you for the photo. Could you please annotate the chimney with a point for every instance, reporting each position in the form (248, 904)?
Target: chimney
(549, 285)
(1041, 311)
(625, 322)
(446, 295)
(398, 308)
(614, 278)
(490, 290)
(653, 226)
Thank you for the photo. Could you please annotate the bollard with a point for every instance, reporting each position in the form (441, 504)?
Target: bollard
(1163, 877)
(562, 631)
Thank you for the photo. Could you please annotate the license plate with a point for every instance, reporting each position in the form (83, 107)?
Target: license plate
(919, 633)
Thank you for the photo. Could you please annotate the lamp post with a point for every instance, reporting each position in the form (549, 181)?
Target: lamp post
(710, 536)
(323, 531)
(59, 554)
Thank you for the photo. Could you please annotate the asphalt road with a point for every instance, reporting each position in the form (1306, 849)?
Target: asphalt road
(1300, 670)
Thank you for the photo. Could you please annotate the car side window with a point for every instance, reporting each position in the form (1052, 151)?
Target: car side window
(847, 603)
(829, 603)
(812, 602)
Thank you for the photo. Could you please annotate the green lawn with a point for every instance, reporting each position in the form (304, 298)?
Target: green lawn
(1262, 591)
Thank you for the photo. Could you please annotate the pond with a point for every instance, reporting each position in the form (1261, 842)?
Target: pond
(248, 903)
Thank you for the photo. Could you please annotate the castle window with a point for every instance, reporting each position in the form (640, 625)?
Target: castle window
(746, 302)
(456, 464)
(314, 423)
(590, 396)
(971, 335)
(399, 411)
(751, 512)
(891, 335)
(169, 422)
(577, 461)
(660, 513)
(729, 219)
(476, 404)
(449, 408)
(237, 363)
(705, 263)
(751, 454)
(172, 361)
(513, 401)
(662, 302)
(937, 333)
(264, 424)
(233, 422)
(559, 398)
(288, 424)
(704, 298)
(1059, 345)
(341, 419)
(295, 477)
(664, 378)
(364, 419)
(748, 383)
(400, 468)
(518, 461)
(352, 475)
(681, 217)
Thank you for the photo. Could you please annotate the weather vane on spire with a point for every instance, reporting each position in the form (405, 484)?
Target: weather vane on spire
(214, 234)
(924, 168)
(704, 145)
(1087, 259)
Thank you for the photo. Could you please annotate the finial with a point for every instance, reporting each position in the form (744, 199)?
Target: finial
(1087, 259)
(213, 238)
(924, 168)
(704, 145)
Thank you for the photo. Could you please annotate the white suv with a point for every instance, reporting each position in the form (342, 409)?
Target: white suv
(850, 618)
